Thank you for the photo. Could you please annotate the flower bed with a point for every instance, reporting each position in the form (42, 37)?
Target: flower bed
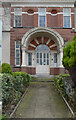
(13, 87)
(65, 85)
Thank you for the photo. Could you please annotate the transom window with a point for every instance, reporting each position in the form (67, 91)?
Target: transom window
(17, 17)
(42, 48)
(42, 17)
(17, 53)
(67, 17)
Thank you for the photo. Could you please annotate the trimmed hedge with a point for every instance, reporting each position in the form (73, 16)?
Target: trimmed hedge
(59, 81)
(6, 68)
(13, 86)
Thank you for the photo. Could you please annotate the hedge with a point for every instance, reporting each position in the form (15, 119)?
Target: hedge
(59, 82)
(13, 86)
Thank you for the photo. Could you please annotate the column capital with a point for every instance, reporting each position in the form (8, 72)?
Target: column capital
(24, 48)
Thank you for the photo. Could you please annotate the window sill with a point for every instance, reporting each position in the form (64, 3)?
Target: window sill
(16, 66)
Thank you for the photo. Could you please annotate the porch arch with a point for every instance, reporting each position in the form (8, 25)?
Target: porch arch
(33, 33)
(50, 32)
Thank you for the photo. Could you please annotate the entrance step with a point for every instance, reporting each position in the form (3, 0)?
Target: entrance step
(41, 78)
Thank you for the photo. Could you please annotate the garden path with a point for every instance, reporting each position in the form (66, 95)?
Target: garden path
(42, 101)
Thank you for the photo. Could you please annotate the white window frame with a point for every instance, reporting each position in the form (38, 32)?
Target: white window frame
(17, 14)
(67, 15)
(15, 53)
(41, 14)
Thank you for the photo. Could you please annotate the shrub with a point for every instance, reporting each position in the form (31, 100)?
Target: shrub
(59, 82)
(8, 91)
(6, 68)
(26, 77)
(18, 84)
(69, 57)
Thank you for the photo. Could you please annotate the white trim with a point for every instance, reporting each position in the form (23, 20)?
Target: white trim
(53, 3)
(36, 41)
(53, 45)
(47, 13)
(48, 41)
(32, 45)
(42, 39)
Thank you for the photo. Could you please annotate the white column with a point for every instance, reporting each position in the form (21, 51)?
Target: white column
(24, 57)
(61, 57)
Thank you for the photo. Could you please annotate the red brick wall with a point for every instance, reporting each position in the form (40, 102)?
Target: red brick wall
(15, 34)
(29, 70)
(57, 71)
(32, 20)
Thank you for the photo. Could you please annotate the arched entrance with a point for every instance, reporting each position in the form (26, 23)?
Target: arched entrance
(42, 50)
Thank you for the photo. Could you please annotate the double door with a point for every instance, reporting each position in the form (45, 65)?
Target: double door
(42, 62)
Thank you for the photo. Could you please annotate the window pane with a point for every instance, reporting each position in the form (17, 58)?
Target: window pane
(67, 22)
(40, 55)
(17, 44)
(67, 11)
(55, 57)
(47, 61)
(29, 58)
(47, 55)
(42, 48)
(17, 61)
(42, 21)
(37, 55)
(44, 55)
(42, 11)
(40, 61)
(37, 60)
(17, 53)
(17, 11)
(17, 21)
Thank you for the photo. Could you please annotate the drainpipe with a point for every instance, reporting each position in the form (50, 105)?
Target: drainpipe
(75, 14)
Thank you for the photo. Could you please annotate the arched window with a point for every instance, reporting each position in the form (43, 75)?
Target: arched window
(42, 48)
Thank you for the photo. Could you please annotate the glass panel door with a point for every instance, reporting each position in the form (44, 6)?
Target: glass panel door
(42, 58)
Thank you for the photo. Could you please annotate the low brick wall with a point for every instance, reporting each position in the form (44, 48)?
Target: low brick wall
(29, 70)
(57, 71)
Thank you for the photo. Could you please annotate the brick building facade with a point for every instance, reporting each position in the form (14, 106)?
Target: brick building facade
(35, 32)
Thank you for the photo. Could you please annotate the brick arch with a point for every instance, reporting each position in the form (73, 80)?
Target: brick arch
(40, 31)
(46, 41)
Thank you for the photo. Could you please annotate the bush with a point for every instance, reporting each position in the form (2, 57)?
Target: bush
(6, 68)
(8, 92)
(69, 56)
(59, 82)
(18, 84)
(26, 77)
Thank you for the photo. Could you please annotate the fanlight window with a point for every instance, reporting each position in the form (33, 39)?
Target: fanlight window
(42, 48)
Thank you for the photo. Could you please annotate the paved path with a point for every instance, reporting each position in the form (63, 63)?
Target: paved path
(42, 101)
